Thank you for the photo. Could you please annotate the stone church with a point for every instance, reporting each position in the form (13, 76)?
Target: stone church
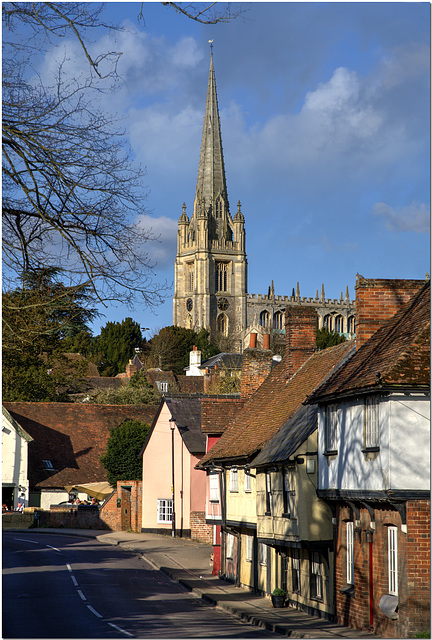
(211, 289)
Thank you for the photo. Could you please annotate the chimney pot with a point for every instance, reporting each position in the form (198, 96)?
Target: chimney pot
(253, 340)
(266, 341)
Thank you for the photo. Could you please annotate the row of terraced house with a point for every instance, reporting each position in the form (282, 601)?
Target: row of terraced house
(317, 476)
(314, 479)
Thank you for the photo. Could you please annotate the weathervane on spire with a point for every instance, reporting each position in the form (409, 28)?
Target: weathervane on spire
(211, 46)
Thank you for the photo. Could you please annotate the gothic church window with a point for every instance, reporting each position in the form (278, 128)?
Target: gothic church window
(278, 320)
(221, 276)
(222, 324)
(190, 276)
(339, 324)
(351, 324)
(264, 319)
(329, 322)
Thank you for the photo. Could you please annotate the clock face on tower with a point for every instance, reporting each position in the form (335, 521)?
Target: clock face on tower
(189, 304)
(222, 304)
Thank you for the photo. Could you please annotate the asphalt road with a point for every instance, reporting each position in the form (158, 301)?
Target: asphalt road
(69, 587)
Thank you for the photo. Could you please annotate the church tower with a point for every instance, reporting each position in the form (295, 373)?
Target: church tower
(211, 267)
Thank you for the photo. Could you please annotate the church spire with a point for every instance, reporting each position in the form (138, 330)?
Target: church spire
(211, 171)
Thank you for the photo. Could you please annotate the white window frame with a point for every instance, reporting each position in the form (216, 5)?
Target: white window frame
(249, 548)
(214, 487)
(316, 570)
(247, 481)
(164, 510)
(289, 491)
(268, 494)
(371, 422)
(234, 480)
(262, 554)
(393, 560)
(350, 552)
(331, 428)
(229, 546)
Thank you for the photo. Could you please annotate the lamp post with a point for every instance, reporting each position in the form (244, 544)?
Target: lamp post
(172, 420)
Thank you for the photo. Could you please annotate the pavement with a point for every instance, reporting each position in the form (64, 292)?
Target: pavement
(187, 562)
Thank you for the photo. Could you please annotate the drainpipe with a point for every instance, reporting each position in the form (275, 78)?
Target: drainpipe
(172, 479)
(369, 538)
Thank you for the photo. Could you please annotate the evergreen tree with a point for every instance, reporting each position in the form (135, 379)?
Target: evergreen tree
(121, 459)
(170, 348)
(326, 338)
(116, 344)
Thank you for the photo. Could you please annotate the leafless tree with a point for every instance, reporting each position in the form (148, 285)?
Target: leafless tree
(207, 12)
(71, 192)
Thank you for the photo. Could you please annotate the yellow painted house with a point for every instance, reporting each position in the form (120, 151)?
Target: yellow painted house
(276, 532)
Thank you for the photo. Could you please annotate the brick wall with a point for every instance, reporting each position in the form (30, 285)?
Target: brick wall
(413, 571)
(199, 529)
(379, 300)
(300, 331)
(256, 366)
(126, 516)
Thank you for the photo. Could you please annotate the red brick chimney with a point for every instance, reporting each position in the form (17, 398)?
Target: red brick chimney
(131, 369)
(257, 364)
(379, 300)
(300, 340)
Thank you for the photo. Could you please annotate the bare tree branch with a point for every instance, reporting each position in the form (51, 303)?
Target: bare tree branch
(71, 191)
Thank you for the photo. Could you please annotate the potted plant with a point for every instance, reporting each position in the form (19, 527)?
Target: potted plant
(278, 597)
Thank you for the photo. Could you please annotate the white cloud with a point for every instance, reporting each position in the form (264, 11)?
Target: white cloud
(162, 250)
(414, 217)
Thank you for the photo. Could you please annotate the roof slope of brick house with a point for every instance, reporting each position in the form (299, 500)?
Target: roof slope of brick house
(374, 470)
(272, 404)
(68, 441)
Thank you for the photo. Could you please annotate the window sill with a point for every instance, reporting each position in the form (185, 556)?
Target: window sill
(331, 453)
(370, 449)
(267, 513)
(348, 590)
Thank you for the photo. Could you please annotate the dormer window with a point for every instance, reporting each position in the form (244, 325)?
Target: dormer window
(48, 465)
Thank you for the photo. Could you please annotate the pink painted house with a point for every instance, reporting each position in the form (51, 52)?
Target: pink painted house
(174, 492)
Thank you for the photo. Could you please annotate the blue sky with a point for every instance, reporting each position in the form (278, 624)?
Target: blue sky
(325, 127)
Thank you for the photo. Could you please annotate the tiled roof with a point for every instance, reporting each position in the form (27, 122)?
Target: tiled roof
(217, 412)
(72, 436)
(187, 415)
(190, 384)
(156, 375)
(397, 355)
(274, 402)
(288, 439)
(223, 361)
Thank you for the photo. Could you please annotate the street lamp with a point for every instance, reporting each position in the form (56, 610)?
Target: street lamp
(172, 420)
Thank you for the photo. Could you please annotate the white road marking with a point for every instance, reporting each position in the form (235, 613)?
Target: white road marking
(22, 540)
(90, 608)
(81, 595)
(120, 629)
(74, 580)
(68, 567)
(55, 548)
